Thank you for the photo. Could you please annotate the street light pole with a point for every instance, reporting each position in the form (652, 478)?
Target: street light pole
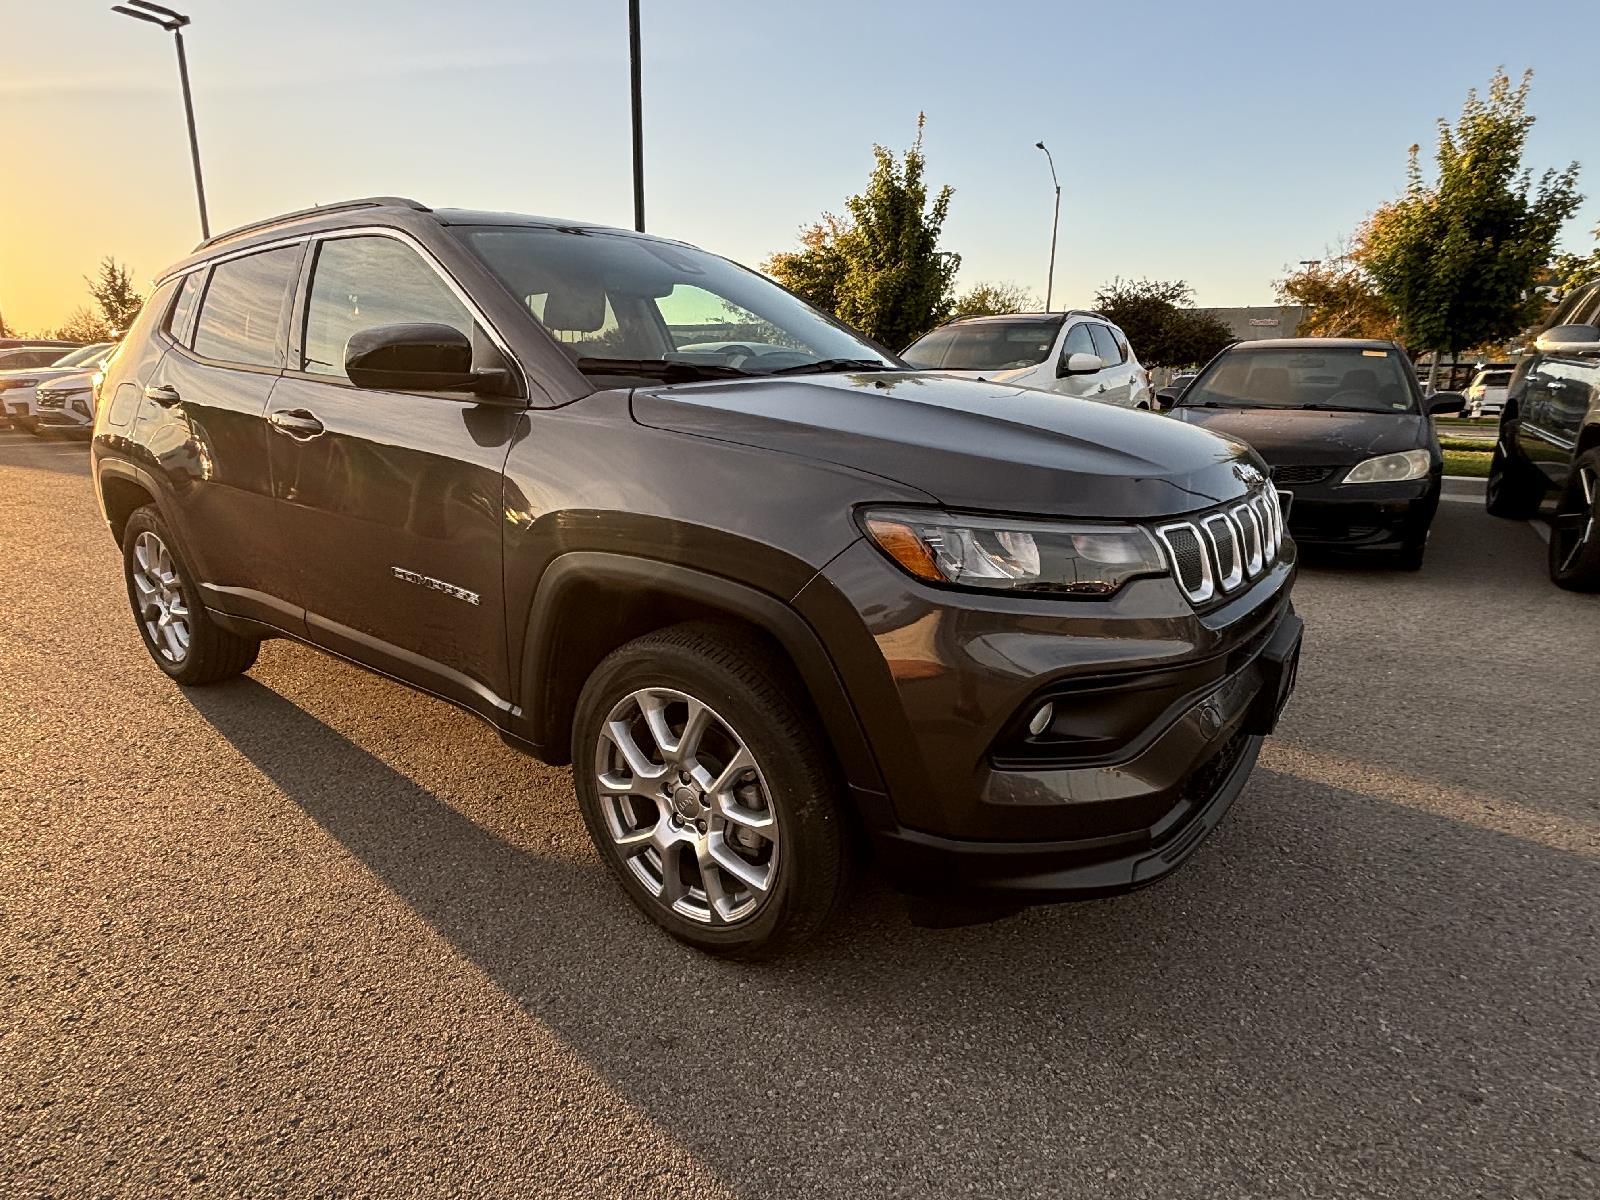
(638, 115)
(173, 23)
(1055, 222)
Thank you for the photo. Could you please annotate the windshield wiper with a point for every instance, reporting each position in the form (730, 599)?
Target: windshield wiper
(826, 365)
(1318, 407)
(666, 369)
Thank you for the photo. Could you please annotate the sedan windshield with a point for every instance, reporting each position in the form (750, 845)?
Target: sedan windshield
(1002, 345)
(1348, 378)
(635, 307)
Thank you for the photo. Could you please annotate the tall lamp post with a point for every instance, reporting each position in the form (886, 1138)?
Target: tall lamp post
(638, 114)
(174, 22)
(1055, 221)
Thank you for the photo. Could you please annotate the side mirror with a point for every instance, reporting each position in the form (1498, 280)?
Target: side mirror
(1168, 396)
(1081, 364)
(420, 357)
(1569, 339)
(1446, 402)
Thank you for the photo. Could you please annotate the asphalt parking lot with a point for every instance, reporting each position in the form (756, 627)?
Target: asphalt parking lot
(309, 933)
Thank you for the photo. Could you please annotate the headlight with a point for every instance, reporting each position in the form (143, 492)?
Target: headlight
(7, 384)
(1006, 554)
(1391, 468)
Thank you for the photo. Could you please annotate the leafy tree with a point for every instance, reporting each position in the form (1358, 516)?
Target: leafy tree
(995, 299)
(84, 326)
(1161, 322)
(1339, 299)
(816, 271)
(1457, 259)
(879, 268)
(1569, 272)
(113, 290)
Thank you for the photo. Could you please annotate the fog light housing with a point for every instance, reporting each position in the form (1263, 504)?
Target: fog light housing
(1040, 721)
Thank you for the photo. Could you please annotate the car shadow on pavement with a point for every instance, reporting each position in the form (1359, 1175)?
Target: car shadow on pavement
(1331, 967)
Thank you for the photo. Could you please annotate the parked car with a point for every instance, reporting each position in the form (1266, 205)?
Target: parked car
(24, 357)
(1029, 646)
(1076, 353)
(1343, 425)
(1549, 441)
(18, 387)
(62, 346)
(64, 404)
(1486, 394)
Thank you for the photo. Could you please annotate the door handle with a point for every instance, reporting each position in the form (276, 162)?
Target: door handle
(163, 395)
(296, 422)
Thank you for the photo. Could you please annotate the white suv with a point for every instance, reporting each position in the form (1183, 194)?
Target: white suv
(1075, 353)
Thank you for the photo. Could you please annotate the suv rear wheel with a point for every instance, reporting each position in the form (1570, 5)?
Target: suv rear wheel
(1513, 491)
(181, 638)
(708, 792)
(1575, 531)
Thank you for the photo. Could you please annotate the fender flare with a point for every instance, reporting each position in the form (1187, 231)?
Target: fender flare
(766, 612)
(109, 467)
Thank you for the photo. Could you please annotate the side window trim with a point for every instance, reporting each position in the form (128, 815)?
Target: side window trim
(302, 301)
(185, 336)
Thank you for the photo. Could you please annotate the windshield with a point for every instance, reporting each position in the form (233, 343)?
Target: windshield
(1339, 377)
(83, 355)
(986, 345)
(632, 306)
(1495, 378)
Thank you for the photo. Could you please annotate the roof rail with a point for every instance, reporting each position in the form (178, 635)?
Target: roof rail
(313, 211)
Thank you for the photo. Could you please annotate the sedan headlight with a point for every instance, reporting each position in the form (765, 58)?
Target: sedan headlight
(1007, 554)
(1391, 468)
(7, 385)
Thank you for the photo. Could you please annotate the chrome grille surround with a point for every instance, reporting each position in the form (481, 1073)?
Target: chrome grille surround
(1235, 544)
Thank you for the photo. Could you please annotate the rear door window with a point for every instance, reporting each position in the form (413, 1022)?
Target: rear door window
(241, 315)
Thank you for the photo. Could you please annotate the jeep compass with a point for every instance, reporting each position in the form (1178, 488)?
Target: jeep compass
(771, 593)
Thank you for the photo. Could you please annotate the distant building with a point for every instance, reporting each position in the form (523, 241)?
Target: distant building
(1262, 321)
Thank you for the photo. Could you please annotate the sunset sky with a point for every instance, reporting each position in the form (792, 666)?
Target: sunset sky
(1215, 143)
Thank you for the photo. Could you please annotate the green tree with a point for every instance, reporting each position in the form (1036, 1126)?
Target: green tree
(1457, 258)
(113, 291)
(1161, 322)
(1571, 271)
(1339, 299)
(879, 268)
(995, 299)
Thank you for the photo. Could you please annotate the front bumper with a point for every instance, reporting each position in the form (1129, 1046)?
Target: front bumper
(1161, 714)
(1362, 516)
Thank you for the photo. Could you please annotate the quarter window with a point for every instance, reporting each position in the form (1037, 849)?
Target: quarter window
(362, 282)
(1105, 345)
(240, 314)
(183, 311)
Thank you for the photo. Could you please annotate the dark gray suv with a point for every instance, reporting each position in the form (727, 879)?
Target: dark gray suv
(770, 592)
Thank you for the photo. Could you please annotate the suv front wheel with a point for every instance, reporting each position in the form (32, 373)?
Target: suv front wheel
(708, 791)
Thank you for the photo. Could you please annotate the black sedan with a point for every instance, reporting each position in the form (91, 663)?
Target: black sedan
(1345, 429)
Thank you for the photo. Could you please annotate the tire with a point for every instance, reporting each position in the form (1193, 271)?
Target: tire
(1575, 530)
(664, 831)
(1513, 491)
(185, 643)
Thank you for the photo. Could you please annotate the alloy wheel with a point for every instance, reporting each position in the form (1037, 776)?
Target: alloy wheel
(159, 594)
(1573, 531)
(686, 807)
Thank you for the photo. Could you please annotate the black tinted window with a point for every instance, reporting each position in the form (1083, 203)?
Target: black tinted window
(178, 320)
(362, 282)
(1105, 345)
(239, 316)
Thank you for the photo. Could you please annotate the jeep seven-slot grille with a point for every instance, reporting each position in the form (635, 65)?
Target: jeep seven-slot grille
(1217, 552)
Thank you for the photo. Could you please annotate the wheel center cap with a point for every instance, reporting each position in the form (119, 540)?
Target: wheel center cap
(687, 802)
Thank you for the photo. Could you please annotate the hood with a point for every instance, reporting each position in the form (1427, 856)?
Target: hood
(968, 444)
(75, 380)
(1009, 375)
(1301, 437)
